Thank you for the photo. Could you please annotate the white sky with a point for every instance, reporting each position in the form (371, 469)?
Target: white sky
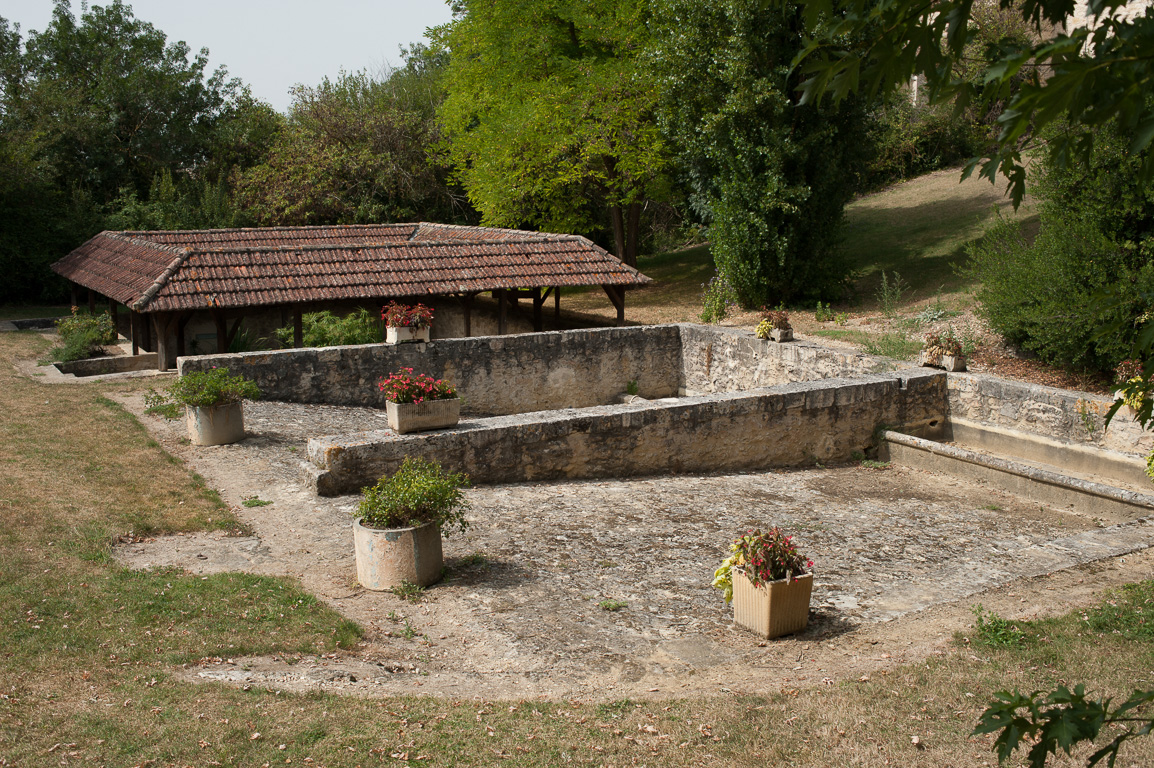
(274, 45)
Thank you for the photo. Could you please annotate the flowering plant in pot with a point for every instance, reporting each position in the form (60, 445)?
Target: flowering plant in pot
(400, 521)
(768, 581)
(774, 325)
(211, 401)
(417, 401)
(406, 323)
(945, 350)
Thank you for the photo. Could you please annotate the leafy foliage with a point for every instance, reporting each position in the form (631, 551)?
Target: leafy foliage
(549, 117)
(1096, 236)
(768, 175)
(763, 557)
(996, 631)
(83, 335)
(357, 150)
(1095, 73)
(905, 141)
(325, 329)
(203, 389)
(419, 493)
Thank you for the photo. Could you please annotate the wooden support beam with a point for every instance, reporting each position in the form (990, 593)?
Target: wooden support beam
(91, 302)
(232, 333)
(146, 333)
(538, 300)
(134, 330)
(75, 294)
(502, 310)
(298, 329)
(467, 304)
(163, 323)
(557, 304)
(113, 309)
(617, 295)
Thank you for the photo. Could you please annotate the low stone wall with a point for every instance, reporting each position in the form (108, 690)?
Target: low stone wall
(496, 375)
(792, 425)
(1073, 417)
(716, 359)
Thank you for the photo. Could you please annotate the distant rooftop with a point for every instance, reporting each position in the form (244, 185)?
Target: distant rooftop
(166, 271)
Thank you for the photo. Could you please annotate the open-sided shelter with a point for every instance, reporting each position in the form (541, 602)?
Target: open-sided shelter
(165, 278)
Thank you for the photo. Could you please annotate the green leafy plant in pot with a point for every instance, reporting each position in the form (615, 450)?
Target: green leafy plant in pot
(212, 403)
(400, 522)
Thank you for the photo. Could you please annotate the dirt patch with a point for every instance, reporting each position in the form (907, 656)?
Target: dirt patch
(900, 554)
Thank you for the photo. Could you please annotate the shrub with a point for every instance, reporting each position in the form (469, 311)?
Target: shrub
(201, 389)
(324, 329)
(907, 141)
(420, 492)
(83, 335)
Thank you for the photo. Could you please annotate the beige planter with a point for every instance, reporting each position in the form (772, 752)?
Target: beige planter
(215, 425)
(404, 333)
(781, 334)
(389, 556)
(954, 363)
(417, 417)
(773, 609)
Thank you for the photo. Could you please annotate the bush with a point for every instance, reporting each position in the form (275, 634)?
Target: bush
(420, 492)
(83, 335)
(1096, 238)
(907, 141)
(324, 329)
(201, 389)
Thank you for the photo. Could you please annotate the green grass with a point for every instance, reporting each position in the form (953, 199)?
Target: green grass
(893, 345)
(33, 311)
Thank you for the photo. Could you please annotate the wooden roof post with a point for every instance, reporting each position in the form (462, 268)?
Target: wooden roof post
(75, 293)
(134, 330)
(298, 329)
(616, 295)
(180, 326)
(162, 322)
(112, 310)
(502, 310)
(538, 300)
(557, 304)
(221, 331)
(467, 303)
(91, 302)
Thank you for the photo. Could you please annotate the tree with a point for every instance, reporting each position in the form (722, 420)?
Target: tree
(1098, 71)
(358, 150)
(549, 116)
(770, 176)
(90, 110)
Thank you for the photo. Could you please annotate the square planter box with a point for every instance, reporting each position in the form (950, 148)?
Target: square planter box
(216, 424)
(417, 417)
(773, 609)
(952, 363)
(403, 333)
(781, 334)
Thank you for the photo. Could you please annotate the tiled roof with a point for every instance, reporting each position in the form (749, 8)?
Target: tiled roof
(169, 271)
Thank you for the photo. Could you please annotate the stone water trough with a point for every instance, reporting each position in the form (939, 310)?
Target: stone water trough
(547, 406)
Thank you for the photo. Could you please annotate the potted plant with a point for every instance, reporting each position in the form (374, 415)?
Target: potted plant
(768, 583)
(416, 401)
(397, 533)
(404, 323)
(943, 350)
(774, 325)
(212, 404)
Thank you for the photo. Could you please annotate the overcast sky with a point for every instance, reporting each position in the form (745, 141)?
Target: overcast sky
(273, 46)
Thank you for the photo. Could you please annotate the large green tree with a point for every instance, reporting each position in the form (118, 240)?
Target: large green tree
(357, 150)
(770, 176)
(549, 114)
(91, 109)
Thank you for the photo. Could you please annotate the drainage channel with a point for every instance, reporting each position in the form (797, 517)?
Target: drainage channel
(1045, 484)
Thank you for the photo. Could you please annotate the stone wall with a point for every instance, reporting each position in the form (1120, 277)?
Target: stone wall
(797, 424)
(716, 359)
(495, 375)
(1073, 417)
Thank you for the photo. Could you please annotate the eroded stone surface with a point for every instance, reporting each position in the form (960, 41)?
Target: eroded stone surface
(519, 615)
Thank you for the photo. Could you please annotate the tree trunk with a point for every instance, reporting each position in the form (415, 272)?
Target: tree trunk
(633, 234)
(618, 232)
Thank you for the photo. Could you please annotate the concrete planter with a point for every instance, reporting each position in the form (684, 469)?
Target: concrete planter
(215, 425)
(952, 363)
(773, 609)
(389, 556)
(418, 417)
(404, 333)
(781, 334)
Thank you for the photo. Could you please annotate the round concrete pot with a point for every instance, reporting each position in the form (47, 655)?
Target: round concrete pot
(215, 425)
(386, 557)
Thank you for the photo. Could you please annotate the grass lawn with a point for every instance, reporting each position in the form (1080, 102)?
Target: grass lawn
(91, 654)
(32, 311)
